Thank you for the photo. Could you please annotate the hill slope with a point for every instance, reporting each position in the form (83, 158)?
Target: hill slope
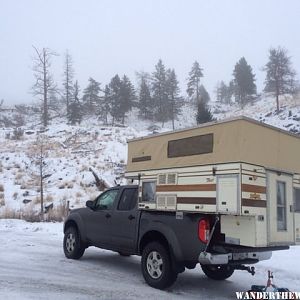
(78, 150)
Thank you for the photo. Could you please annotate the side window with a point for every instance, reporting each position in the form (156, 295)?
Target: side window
(281, 206)
(106, 200)
(148, 191)
(297, 199)
(128, 199)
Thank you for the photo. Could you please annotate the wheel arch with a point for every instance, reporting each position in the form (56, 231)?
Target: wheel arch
(164, 235)
(76, 221)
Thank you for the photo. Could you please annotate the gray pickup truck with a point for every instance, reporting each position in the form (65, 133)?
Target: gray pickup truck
(168, 242)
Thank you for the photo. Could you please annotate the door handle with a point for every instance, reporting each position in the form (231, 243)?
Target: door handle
(107, 215)
(131, 217)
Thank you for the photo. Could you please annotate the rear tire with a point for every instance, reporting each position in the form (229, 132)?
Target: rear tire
(157, 266)
(73, 246)
(217, 272)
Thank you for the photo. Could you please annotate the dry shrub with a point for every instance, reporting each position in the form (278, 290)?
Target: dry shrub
(23, 186)
(58, 213)
(15, 195)
(78, 195)
(31, 216)
(1, 188)
(37, 200)
(2, 200)
(19, 176)
(49, 198)
(9, 213)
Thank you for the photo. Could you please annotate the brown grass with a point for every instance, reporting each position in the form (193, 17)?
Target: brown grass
(1, 188)
(57, 214)
(9, 213)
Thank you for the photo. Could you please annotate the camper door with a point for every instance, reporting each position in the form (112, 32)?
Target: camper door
(297, 213)
(280, 208)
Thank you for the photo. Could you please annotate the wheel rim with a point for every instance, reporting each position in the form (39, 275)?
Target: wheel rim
(154, 264)
(70, 242)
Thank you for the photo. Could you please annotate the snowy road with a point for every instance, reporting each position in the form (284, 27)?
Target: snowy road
(33, 266)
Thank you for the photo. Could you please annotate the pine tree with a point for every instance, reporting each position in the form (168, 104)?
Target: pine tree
(75, 107)
(115, 87)
(105, 109)
(68, 80)
(91, 96)
(224, 92)
(145, 101)
(203, 95)
(174, 100)
(159, 92)
(244, 82)
(193, 84)
(280, 77)
(127, 96)
(204, 114)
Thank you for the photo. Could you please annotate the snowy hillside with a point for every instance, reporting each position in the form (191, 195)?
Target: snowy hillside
(76, 150)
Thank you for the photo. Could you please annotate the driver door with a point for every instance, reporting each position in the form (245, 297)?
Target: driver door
(99, 219)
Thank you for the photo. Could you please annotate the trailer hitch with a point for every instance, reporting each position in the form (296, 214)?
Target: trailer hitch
(251, 270)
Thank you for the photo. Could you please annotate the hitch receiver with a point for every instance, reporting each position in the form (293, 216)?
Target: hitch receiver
(251, 270)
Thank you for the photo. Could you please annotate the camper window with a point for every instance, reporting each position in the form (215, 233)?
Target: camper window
(281, 206)
(194, 145)
(297, 199)
(148, 191)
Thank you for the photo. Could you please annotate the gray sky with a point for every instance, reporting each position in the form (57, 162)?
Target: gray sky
(115, 36)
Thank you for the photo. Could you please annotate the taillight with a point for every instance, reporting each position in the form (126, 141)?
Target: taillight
(203, 230)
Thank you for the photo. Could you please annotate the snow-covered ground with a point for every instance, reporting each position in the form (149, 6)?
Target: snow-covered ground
(33, 266)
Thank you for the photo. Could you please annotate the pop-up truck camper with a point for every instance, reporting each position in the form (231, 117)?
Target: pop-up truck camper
(245, 172)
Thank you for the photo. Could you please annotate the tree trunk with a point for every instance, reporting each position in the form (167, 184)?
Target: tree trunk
(45, 116)
(41, 189)
(277, 102)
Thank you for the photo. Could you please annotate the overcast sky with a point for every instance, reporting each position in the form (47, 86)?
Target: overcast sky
(119, 36)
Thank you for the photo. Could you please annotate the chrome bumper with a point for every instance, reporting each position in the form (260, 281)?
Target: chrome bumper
(206, 258)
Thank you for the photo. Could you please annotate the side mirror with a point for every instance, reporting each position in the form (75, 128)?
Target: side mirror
(90, 204)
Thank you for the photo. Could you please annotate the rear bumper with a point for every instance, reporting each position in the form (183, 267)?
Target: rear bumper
(206, 258)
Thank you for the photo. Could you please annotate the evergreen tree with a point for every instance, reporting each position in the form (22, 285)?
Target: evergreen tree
(204, 114)
(68, 80)
(174, 100)
(145, 100)
(280, 77)
(127, 96)
(159, 92)
(193, 84)
(224, 92)
(203, 95)
(244, 82)
(75, 107)
(91, 96)
(114, 97)
(105, 109)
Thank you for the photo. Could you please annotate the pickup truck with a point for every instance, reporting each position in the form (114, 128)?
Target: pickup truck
(167, 241)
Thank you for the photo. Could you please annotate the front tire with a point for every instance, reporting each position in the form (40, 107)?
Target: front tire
(73, 246)
(217, 272)
(157, 266)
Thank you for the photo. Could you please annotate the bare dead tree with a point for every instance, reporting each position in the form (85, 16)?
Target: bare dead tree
(68, 79)
(43, 79)
(38, 154)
